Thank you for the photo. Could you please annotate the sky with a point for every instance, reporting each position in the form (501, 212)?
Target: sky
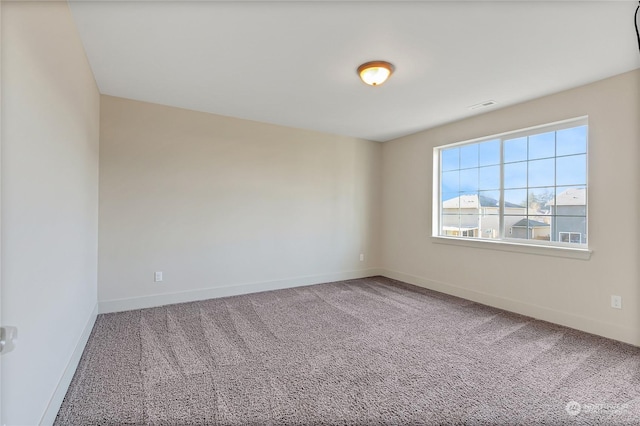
(544, 163)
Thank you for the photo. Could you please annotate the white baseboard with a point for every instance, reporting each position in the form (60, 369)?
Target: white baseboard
(119, 305)
(55, 402)
(566, 319)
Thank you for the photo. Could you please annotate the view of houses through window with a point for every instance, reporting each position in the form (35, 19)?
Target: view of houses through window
(529, 185)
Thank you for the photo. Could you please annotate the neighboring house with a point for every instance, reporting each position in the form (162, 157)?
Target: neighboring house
(530, 229)
(569, 216)
(475, 215)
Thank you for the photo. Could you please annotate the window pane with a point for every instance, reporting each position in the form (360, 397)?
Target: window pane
(515, 150)
(516, 227)
(451, 181)
(515, 175)
(540, 228)
(450, 225)
(469, 156)
(539, 199)
(572, 170)
(566, 225)
(450, 159)
(451, 220)
(489, 226)
(490, 153)
(469, 225)
(460, 225)
(510, 220)
(570, 201)
(530, 228)
(469, 203)
(469, 180)
(450, 203)
(489, 177)
(515, 199)
(572, 141)
(542, 145)
(489, 201)
(541, 172)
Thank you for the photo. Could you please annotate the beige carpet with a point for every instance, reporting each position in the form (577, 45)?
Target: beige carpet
(370, 351)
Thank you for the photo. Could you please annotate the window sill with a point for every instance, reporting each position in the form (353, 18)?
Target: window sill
(554, 251)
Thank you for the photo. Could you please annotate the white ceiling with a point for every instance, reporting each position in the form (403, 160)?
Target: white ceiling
(294, 63)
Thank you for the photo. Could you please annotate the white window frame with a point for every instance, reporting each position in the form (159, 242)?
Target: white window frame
(505, 243)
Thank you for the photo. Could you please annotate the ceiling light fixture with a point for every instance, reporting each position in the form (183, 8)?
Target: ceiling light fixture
(375, 73)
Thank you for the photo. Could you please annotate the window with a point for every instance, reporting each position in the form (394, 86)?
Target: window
(524, 185)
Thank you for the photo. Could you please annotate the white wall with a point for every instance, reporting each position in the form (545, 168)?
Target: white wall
(224, 206)
(50, 132)
(566, 291)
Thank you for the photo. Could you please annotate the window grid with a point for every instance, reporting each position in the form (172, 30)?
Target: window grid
(532, 219)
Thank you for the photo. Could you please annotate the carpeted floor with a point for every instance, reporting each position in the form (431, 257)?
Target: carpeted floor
(370, 351)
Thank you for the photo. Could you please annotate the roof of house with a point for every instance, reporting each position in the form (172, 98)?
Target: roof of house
(474, 201)
(529, 223)
(570, 197)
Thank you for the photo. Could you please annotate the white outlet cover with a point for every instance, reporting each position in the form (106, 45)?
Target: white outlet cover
(616, 302)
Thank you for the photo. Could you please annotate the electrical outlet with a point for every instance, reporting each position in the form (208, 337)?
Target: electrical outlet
(616, 301)
(157, 277)
(361, 257)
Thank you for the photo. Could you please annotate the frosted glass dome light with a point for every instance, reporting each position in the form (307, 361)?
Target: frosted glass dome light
(375, 73)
